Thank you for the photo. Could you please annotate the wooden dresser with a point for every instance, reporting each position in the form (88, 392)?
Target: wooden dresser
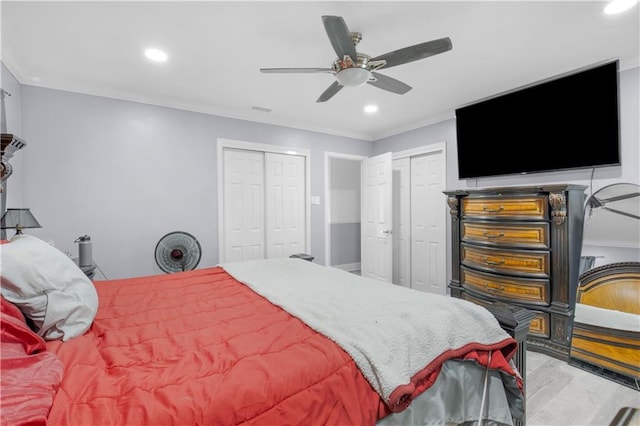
(521, 246)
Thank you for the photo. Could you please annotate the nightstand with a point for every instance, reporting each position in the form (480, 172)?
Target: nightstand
(304, 256)
(89, 270)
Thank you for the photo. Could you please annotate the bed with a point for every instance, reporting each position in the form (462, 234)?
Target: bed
(278, 341)
(606, 330)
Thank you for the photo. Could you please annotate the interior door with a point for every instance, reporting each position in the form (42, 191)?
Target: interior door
(377, 218)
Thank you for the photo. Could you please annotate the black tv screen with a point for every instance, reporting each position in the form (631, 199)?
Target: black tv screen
(564, 123)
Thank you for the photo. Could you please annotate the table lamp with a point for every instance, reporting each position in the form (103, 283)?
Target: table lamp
(18, 219)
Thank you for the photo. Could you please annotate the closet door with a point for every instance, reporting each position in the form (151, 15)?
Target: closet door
(428, 247)
(244, 233)
(285, 202)
(417, 227)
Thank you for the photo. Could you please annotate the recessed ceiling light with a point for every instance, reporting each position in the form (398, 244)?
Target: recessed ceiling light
(370, 109)
(619, 6)
(156, 55)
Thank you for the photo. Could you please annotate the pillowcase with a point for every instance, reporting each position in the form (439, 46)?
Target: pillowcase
(48, 287)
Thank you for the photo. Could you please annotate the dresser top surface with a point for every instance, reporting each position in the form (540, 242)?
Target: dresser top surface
(510, 190)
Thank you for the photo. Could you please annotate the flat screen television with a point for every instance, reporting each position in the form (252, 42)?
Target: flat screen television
(568, 122)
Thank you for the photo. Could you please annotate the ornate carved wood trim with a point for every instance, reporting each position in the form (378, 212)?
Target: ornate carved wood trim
(558, 203)
(454, 206)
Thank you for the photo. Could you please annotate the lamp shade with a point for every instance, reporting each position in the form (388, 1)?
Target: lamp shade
(18, 219)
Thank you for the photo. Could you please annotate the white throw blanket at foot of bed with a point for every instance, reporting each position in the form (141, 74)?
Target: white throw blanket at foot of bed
(394, 334)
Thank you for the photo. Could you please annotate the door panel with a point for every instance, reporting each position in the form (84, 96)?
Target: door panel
(428, 251)
(419, 234)
(243, 211)
(377, 216)
(285, 204)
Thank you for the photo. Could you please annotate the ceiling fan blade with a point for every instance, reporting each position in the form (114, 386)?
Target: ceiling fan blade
(331, 90)
(415, 52)
(297, 70)
(389, 84)
(340, 37)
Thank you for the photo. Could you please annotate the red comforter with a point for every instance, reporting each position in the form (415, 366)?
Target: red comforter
(30, 374)
(201, 348)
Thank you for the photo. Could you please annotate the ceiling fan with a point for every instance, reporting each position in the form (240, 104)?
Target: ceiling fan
(353, 68)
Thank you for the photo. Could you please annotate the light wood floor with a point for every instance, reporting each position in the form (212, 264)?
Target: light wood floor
(561, 394)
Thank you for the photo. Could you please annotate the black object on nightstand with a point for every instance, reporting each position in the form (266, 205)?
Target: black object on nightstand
(89, 270)
(302, 256)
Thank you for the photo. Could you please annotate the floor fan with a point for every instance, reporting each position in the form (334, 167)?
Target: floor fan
(177, 252)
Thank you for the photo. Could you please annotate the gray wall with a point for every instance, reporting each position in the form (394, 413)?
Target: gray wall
(126, 173)
(345, 243)
(629, 171)
(344, 227)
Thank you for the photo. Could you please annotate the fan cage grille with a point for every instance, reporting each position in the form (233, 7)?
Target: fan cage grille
(166, 252)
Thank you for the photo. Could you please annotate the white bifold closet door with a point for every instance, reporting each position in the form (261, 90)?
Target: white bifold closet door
(419, 225)
(285, 213)
(264, 205)
(428, 248)
(244, 234)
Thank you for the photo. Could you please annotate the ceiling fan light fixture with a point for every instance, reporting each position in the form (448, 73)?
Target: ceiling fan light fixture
(353, 77)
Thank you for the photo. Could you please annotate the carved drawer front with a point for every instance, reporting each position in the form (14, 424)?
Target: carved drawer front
(530, 235)
(539, 325)
(521, 262)
(508, 289)
(534, 207)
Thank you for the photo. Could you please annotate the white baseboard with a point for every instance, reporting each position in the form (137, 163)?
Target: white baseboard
(349, 267)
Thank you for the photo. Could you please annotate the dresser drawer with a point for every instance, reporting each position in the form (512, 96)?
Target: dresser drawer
(507, 289)
(538, 327)
(526, 235)
(534, 207)
(529, 263)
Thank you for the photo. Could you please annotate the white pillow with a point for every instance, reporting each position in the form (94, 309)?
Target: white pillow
(48, 287)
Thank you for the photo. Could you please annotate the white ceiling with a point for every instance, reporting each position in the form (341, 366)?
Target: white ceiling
(217, 48)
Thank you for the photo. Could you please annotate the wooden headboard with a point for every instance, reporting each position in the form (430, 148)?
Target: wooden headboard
(614, 286)
(611, 352)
